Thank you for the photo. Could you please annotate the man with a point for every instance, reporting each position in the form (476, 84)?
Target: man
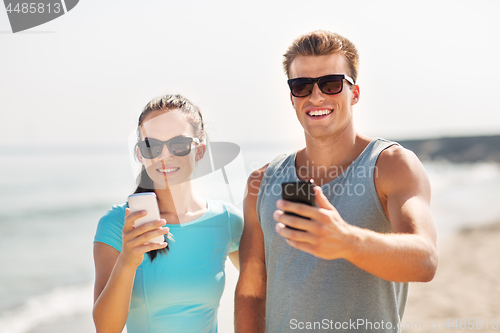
(348, 267)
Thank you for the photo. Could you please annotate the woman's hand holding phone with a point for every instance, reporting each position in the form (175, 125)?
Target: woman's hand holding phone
(136, 239)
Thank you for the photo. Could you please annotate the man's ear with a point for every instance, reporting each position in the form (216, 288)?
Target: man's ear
(355, 94)
(200, 151)
(291, 99)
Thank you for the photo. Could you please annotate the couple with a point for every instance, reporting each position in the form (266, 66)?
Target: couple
(348, 266)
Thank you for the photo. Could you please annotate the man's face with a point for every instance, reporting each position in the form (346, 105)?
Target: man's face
(323, 115)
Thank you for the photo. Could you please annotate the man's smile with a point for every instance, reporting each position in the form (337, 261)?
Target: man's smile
(319, 113)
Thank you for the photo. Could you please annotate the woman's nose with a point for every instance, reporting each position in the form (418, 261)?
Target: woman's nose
(165, 153)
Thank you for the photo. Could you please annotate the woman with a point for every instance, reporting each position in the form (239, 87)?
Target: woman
(174, 290)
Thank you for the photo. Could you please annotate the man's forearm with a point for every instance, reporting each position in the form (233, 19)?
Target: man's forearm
(394, 257)
(249, 314)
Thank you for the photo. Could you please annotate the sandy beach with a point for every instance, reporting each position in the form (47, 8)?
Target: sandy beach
(466, 287)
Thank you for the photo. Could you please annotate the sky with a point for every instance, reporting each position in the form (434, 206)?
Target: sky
(427, 68)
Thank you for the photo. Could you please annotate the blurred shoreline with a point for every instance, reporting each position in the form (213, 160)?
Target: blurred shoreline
(454, 149)
(465, 149)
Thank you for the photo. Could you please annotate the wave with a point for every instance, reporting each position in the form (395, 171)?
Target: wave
(46, 308)
(463, 195)
(50, 212)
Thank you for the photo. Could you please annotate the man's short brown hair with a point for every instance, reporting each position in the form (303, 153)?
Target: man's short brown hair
(321, 42)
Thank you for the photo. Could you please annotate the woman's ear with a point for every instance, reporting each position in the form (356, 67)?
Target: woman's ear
(138, 155)
(200, 151)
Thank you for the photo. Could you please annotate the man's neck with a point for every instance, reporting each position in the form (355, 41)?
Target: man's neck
(324, 159)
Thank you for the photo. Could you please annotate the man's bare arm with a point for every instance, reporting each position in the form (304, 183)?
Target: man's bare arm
(250, 295)
(407, 254)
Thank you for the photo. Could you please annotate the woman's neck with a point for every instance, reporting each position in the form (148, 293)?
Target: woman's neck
(178, 204)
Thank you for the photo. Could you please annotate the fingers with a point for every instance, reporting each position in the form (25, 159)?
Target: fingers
(146, 231)
(300, 209)
(296, 208)
(136, 239)
(144, 238)
(152, 246)
(295, 235)
(130, 218)
(135, 254)
(293, 221)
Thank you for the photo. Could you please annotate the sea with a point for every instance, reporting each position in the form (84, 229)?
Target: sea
(51, 199)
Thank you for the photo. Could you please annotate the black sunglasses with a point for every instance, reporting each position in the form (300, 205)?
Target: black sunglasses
(328, 84)
(178, 146)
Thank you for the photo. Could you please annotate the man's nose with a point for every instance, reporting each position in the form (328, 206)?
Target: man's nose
(316, 94)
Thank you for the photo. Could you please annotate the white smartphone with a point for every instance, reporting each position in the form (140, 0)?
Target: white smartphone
(146, 201)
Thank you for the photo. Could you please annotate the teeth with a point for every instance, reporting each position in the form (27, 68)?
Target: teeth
(319, 112)
(167, 170)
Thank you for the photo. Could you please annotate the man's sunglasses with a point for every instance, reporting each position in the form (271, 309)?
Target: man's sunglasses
(328, 84)
(178, 146)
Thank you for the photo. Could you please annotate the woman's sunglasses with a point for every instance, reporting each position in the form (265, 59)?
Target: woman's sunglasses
(328, 84)
(178, 146)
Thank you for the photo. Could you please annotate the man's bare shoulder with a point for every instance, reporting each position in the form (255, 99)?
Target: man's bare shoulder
(258, 173)
(397, 157)
(398, 166)
(254, 180)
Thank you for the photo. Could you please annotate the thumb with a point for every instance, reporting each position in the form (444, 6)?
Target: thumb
(321, 199)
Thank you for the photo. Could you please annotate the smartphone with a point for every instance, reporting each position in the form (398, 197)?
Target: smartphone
(146, 201)
(301, 192)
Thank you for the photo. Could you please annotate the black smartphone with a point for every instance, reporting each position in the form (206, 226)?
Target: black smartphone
(301, 191)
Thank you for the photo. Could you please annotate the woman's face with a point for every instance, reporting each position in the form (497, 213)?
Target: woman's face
(168, 169)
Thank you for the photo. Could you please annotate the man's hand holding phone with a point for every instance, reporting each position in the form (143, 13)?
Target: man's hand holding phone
(319, 230)
(300, 192)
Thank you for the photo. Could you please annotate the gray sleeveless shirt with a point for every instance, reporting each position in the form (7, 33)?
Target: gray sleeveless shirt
(309, 294)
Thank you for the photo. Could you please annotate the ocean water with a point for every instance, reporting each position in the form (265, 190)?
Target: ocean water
(50, 205)
(51, 201)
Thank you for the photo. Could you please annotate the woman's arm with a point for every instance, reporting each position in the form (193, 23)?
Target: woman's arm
(235, 259)
(112, 289)
(115, 272)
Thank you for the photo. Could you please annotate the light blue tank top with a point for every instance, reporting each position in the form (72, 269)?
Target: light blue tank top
(313, 294)
(179, 292)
